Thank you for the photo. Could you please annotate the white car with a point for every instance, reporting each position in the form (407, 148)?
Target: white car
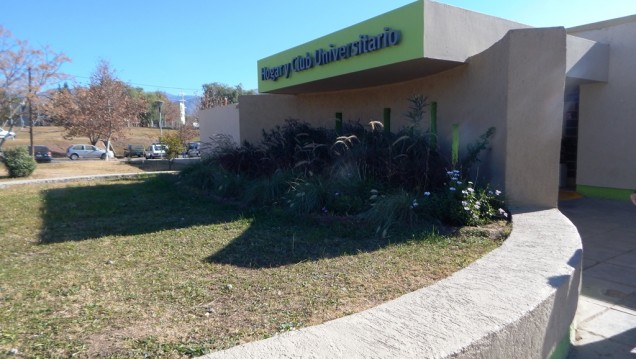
(6, 134)
(156, 150)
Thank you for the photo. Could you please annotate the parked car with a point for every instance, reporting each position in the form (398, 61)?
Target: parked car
(134, 150)
(194, 149)
(6, 134)
(42, 153)
(156, 150)
(87, 151)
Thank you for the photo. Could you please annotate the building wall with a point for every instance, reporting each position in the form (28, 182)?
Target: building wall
(260, 112)
(455, 34)
(219, 120)
(536, 86)
(607, 113)
(500, 87)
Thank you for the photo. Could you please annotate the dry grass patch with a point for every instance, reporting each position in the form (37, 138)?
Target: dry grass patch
(53, 137)
(63, 168)
(141, 268)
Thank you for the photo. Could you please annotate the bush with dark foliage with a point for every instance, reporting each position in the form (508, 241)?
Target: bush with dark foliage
(19, 162)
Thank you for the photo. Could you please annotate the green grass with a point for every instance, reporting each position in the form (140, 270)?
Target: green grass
(146, 268)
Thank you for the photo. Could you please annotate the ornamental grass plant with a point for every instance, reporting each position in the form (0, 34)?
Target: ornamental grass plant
(386, 179)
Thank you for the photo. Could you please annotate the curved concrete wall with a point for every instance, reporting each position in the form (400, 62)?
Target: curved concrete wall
(516, 302)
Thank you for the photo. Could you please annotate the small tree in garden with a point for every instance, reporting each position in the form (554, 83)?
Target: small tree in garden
(174, 146)
(19, 162)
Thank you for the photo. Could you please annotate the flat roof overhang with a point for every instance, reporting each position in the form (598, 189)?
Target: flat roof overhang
(413, 41)
(386, 48)
(383, 75)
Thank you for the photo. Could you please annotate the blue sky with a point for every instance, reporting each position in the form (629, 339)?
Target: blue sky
(176, 47)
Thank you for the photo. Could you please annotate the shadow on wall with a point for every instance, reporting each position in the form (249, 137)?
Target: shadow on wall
(567, 291)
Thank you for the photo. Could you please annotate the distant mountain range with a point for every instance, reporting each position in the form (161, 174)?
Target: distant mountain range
(191, 102)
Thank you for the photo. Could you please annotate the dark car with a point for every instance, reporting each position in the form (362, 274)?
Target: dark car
(194, 149)
(134, 151)
(42, 153)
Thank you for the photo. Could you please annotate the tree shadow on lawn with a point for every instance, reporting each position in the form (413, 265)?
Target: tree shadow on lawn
(276, 240)
(274, 237)
(128, 207)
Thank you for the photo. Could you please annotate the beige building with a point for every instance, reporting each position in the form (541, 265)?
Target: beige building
(559, 99)
(606, 156)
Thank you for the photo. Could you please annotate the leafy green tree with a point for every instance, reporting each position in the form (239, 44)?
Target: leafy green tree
(217, 94)
(149, 117)
(175, 146)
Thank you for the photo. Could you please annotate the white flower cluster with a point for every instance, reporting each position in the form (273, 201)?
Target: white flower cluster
(476, 205)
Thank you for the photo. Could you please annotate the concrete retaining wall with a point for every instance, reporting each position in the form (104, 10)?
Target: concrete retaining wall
(516, 302)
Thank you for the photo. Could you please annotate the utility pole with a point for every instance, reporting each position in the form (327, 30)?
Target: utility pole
(30, 117)
(110, 130)
(159, 103)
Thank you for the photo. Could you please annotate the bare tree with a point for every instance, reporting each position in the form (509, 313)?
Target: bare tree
(24, 72)
(169, 110)
(100, 112)
(187, 132)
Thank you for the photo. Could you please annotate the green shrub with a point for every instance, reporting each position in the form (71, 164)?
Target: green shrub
(174, 145)
(19, 162)
(347, 189)
(317, 171)
(460, 203)
(199, 175)
(306, 195)
(267, 190)
(296, 143)
(208, 176)
(389, 210)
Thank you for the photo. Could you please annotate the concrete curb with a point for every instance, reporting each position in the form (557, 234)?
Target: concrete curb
(516, 302)
(80, 178)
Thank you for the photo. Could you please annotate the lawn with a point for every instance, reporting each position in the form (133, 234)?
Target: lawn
(145, 268)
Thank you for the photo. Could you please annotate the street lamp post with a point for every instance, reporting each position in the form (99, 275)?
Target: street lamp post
(159, 103)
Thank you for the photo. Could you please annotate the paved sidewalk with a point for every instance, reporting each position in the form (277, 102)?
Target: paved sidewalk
(606, 313)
